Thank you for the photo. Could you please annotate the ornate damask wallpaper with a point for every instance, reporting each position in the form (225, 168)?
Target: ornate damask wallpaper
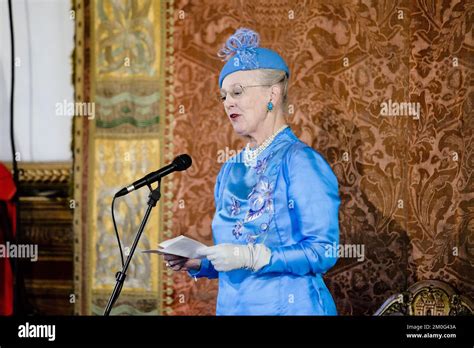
(382, 89)
(405, 180)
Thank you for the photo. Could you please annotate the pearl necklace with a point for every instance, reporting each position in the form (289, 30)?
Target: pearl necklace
(251, 155)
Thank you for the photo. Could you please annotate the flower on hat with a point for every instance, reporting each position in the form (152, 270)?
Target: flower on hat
(242, 45)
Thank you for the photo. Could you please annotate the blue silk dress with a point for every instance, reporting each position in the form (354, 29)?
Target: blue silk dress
(289, 201)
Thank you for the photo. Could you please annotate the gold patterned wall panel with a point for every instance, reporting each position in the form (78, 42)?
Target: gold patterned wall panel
(123, 63)
(116, 160)
(128, 39)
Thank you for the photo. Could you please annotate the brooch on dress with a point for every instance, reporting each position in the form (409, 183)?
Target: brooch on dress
(260, 200)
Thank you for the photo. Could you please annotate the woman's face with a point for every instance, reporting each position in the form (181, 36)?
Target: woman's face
(247, 110)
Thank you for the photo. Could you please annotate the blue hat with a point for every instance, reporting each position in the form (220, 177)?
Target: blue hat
(242, 52)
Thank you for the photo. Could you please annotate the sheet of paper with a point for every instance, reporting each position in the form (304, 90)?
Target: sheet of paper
(180, 246)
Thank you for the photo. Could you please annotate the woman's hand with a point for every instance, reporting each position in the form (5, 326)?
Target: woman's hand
(179, 263)
(227, 257)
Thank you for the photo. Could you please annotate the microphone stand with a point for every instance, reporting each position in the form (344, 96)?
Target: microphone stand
(153, 198)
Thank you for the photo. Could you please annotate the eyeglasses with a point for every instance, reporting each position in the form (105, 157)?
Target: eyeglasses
(236, 92)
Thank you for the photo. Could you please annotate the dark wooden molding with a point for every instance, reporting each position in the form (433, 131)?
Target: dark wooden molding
(46, 220)
(44, 172)
(44, 178)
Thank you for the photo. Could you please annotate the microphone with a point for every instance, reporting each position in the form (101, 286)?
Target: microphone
(181, 162)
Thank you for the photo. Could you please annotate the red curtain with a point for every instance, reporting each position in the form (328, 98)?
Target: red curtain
(7, 233)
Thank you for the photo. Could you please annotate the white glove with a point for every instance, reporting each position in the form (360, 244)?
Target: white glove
(227, 257)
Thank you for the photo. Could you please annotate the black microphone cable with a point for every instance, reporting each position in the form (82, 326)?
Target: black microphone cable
(12, 101)
(16, 198)
(12, 97)
(116, 233)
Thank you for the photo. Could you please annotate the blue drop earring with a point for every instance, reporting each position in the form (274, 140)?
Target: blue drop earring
(270, 106)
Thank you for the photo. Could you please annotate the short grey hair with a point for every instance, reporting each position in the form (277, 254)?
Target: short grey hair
(275, 77)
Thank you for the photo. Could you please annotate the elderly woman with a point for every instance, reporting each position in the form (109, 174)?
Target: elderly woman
(277, 201)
